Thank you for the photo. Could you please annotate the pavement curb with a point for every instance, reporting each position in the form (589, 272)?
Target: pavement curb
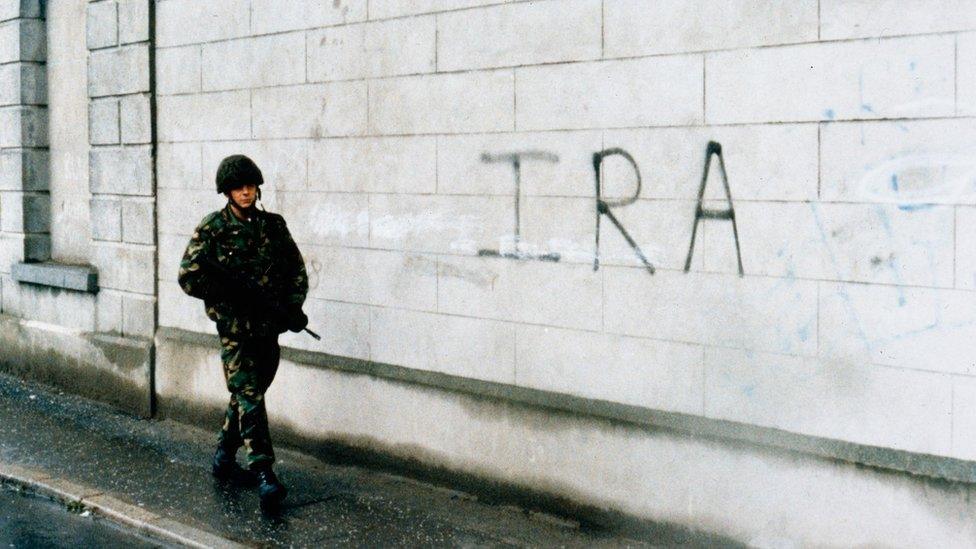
(112, 508)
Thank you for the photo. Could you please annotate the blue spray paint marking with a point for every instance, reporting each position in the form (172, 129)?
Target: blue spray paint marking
(894, 182)
(936, 324)
(842, 291)
(911, 333)
(911, 66)
(865, 105)
(804, 332)
(914, 207)
(829, 114)
(893, 264)
(936, 308)
(786, 344)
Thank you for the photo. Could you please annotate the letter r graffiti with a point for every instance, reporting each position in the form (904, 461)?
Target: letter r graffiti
(603, 206)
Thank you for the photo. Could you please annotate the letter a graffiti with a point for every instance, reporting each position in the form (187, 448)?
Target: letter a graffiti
(702, 213)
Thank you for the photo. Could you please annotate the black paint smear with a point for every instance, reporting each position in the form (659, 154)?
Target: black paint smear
(702, 213)
(553, 257)
(515, 159)
(603, 206)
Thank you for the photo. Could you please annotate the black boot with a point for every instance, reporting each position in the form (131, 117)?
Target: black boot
(270, 489)
(225, 465)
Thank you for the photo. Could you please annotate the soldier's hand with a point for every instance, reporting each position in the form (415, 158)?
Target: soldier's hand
(297, 320)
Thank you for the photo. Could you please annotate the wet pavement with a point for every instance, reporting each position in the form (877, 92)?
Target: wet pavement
(163, 467)
(31, 521)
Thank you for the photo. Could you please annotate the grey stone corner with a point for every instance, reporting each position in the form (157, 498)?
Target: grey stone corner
(82, 278)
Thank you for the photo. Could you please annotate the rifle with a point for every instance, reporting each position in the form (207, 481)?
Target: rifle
(251, 288)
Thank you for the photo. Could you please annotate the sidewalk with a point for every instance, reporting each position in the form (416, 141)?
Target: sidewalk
(155, 475)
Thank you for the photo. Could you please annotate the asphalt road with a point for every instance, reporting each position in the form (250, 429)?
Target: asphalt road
(35, 522)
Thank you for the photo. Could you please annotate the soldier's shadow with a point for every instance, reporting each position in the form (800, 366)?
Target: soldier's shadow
(275, 515)
(300, 500)
(239, 505)
(229, 496)
(238, 501)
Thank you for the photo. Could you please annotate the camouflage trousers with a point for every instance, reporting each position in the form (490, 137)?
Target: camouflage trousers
(250, 365)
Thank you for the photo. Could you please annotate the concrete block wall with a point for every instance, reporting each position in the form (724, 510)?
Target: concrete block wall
(24, 181)
(62, 315)
(386, 132)
(121, 165)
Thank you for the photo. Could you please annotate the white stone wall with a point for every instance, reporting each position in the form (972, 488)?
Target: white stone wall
(67, 71)
(123, 246)
(24, 182)
(382, 127)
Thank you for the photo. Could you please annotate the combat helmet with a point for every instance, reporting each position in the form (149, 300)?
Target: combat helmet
(235, 171)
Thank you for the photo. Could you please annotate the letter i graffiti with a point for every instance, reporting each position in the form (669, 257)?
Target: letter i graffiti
(515, 159)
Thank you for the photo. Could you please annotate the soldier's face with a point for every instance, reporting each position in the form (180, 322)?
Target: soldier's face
(244, 196)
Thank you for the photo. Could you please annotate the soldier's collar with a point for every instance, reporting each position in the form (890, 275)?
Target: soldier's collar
(229, 216)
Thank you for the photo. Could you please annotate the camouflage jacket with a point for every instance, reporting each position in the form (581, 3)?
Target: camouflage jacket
(260, 250)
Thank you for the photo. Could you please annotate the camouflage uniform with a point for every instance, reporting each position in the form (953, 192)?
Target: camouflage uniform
(261, 250)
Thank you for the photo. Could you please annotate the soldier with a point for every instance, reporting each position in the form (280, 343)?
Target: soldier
(244, 265)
